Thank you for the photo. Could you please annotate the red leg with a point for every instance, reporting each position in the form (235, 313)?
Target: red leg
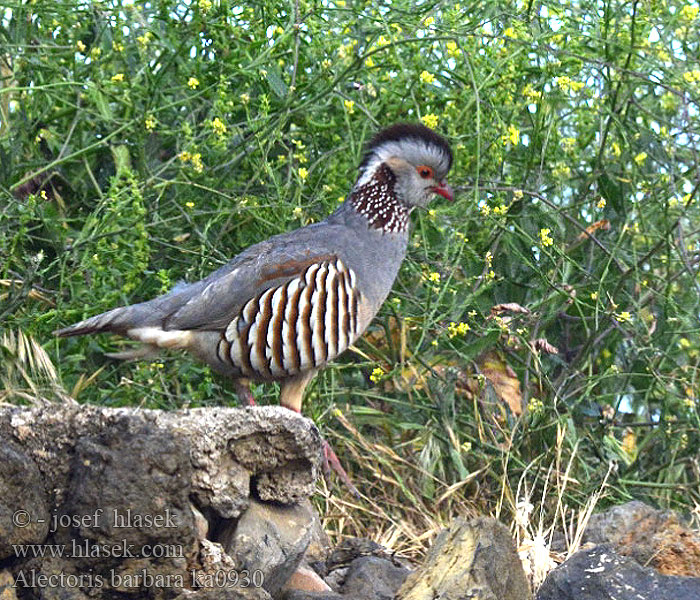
(330, 461)
(243, 392)
(291, 394)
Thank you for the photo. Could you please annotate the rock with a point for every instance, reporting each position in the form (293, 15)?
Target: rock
(24, 513)
(319, 545)
(600, 573)
(472, 559)
(373, 578)
(7, 589)
(649, 536)
(305, 579)
(271, 539)
(54, 579)
(231, 449)
(225, 593)
(299, 595)
(350, 549)
(138, 492)
(110, 475)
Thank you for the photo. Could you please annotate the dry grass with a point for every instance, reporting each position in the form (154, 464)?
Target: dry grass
(28, 375)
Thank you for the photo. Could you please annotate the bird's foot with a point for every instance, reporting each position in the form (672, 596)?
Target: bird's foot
(330, 461)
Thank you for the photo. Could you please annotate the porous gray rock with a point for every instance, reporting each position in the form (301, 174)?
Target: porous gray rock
(599, 573)
(136, 494)
(471, 559)
(24, 513)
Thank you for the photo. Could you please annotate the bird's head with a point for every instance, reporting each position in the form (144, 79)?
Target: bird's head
(418, 158)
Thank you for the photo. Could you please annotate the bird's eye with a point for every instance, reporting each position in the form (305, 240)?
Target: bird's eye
(424, 171)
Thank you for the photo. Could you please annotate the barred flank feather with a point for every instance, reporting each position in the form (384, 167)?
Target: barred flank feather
(294, 327)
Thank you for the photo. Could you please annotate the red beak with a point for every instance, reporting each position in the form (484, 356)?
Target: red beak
(444, 190)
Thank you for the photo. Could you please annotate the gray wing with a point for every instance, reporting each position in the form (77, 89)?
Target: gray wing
(223, 294)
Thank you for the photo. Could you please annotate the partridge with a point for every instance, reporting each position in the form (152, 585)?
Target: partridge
(283, 308)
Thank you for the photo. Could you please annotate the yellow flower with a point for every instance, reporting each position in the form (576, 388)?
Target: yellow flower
(426, 77)
(303, 173)
(455, 329)
(297, 212)
(616, 149)
(117, 47)
(80, 46)
(566, 84)
(196, 160)
(349, 106)
(434, 277)
(193, 83)
(429, 21)
(189, 204)
(624, 317)
(205, 6)
(376, 375)
(518, 194)
(561, 171)
(601, 203)
(546, 239)
(369, 62)
(640, 158)
(509, 32)
(689, 13)
(594, 296)
(684, 342)
(185, 156)
(95, 53)
(535, 405)
(145, 39)
(692, 76)
(150, 123)
(118, 78)
(382, 41)
(568, 144)
(245, 98)
(512, 136)
(668, 102)
(531, 94)
(452, 49)
(219, 127)
(430, 120)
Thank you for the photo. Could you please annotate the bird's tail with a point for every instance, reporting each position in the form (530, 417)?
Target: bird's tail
(117, 320)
